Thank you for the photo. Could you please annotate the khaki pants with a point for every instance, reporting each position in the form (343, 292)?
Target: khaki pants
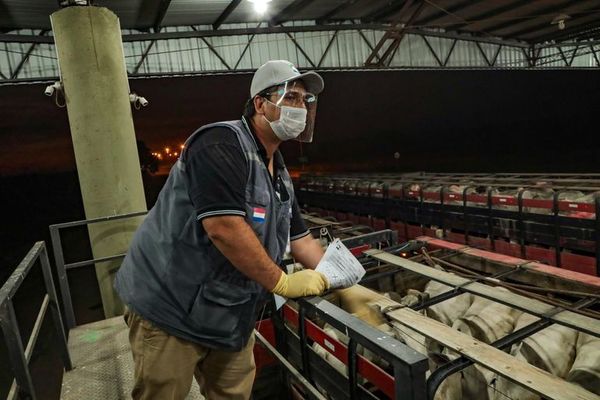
(165, 365)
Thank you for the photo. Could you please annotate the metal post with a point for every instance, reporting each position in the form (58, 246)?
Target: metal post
(466, 214)
(92, 70)
(63, 280)
(521, 223)
(16, 353)
(556, 228)
(352, 369)
(303, 342)
(64, 349)
(597, 233)
(490, 219)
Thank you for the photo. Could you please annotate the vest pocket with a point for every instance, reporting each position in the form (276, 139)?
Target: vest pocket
(219, 307)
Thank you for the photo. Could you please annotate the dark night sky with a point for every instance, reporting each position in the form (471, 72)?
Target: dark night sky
(437, 120)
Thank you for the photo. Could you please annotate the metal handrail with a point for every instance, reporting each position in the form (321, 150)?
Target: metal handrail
(62, 267)
(19, 357)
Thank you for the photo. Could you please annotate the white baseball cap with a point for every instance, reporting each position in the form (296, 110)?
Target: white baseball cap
(277, 72)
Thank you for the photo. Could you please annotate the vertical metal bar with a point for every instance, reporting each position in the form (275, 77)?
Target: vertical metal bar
(442, 212)
(360, 32)
(143, 57)
(487, 61)
(421, 205)
(597, 233)
(573, 55)
(63, 280)
(432, 51)
(300, 48)
(246, 48)
(563, 56)
(490, 219)
(527, 57)
(521, 223)
(58, 322)
(556, 229)
(404, 204)
(327, 48)
(214, 51)
(16, 353)
(409, 384)
(595, 55)
(352, 370)
(386, 205)
(450, 52)
(303, 341)
(26, 57)
(396, 33)
(496, 55)
(466, 215)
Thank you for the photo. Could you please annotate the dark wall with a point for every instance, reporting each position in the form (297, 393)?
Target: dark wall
(459, 121)
(435, 120)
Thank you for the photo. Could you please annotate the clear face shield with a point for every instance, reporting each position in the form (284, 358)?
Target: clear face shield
(290, 96)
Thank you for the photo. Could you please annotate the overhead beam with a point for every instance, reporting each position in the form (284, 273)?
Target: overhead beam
(25, 57)
(10, 38)
(163, 7)
(433, 52)
(143, 57)
(289, 11)
(580, 17)
(390, 8)
(228, 10)
(329, 15)
(533, 15)
(394, 36)
(487, 14)
(448, 12)
(293, 39)
(327, 49)
(569, 32)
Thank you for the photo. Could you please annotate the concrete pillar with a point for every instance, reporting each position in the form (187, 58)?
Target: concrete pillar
(94, 78)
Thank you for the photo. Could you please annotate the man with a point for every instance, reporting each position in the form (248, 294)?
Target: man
(204, 260)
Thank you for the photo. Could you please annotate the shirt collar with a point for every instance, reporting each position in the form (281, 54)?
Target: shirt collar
(277, 157)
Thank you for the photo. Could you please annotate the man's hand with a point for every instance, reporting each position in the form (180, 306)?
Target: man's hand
(302, 283)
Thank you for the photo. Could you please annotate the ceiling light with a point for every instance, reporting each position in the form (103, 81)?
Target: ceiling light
(559, 20)
(260, 6)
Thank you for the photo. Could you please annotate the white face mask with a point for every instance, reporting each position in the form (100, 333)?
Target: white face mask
(291, 122)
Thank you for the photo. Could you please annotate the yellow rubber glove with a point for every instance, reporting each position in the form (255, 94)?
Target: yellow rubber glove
(302, 283)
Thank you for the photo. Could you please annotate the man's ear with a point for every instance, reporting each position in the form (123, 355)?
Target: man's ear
(259, 104)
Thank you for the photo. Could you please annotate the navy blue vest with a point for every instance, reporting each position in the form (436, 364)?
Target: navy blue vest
(175, 277)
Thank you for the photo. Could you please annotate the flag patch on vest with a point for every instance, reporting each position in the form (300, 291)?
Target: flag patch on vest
(258, 214)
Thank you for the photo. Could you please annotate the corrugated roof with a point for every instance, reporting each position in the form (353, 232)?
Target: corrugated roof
(532, 21)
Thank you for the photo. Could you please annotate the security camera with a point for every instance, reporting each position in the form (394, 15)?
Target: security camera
(50, 89)
(137, 101)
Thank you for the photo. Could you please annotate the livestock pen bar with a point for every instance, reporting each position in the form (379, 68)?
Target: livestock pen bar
(553, 218)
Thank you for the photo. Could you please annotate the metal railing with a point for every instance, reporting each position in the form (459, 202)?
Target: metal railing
(61, 267)
(19, 357)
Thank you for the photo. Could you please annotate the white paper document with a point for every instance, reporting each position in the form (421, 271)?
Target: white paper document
(339, 266)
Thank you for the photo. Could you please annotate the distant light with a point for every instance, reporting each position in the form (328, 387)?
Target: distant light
(181, 146)
(260, 6)
(175, 154)
(167, 150)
